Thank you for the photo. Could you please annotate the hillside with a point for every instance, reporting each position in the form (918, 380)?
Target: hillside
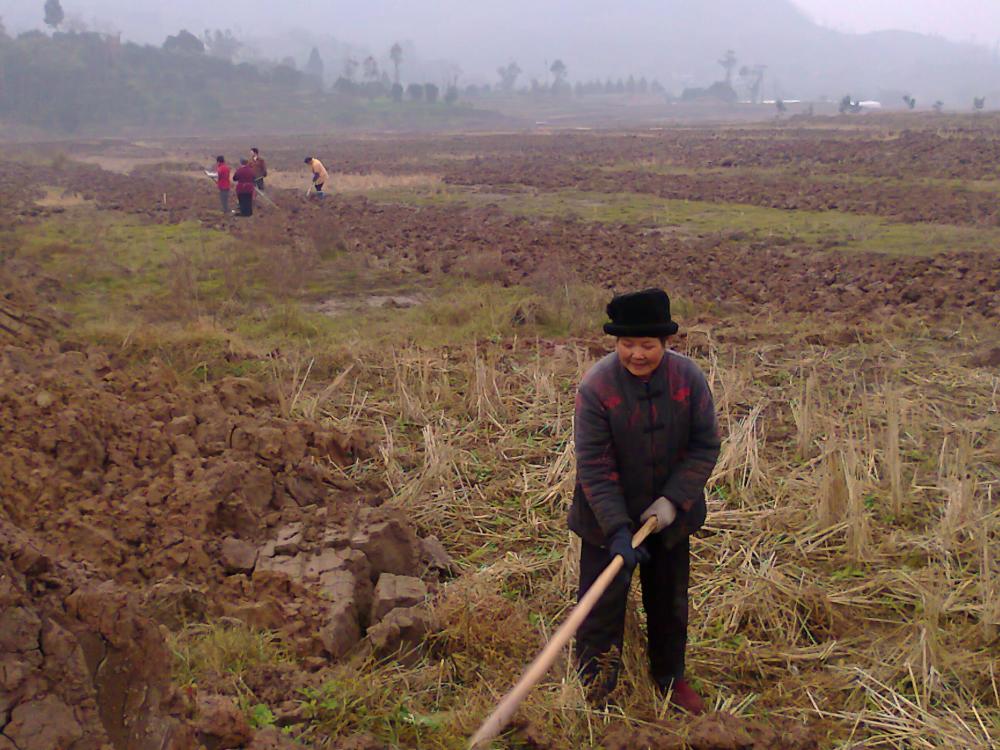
(93, 84)
(679, 42)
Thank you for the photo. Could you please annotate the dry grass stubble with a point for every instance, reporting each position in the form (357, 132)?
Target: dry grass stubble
(846, 577)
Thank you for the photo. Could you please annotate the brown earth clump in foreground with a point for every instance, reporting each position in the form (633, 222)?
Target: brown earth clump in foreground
(131, 506)
(81, 667)
(717, 731)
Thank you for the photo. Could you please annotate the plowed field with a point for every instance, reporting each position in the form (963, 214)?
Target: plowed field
(302, 477)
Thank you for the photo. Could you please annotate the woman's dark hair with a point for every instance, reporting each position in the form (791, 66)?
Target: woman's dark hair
(255, 150)
(307, 160)
(220, 159)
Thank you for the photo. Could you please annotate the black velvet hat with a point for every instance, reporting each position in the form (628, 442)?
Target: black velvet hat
(640, 314)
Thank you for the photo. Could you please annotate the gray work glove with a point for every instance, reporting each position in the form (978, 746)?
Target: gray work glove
(664, 511)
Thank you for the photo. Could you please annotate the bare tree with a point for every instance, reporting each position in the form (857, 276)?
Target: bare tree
(350, 68)
(396, 55)
(314, 66)
(508, 76)
(370, 69)
(728, 63)
(221, 44)
(754, 78)
(53, 13)
(559, 70)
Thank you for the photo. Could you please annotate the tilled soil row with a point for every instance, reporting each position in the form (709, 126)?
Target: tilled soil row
(908, 203)
(717, 269)
(965, 152)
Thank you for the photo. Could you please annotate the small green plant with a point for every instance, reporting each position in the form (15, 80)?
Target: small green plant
(261, 717)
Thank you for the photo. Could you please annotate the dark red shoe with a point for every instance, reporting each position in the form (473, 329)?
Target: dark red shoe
(684, 697)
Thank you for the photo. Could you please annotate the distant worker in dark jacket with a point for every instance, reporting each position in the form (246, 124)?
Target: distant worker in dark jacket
(646, 443)
(244, 178)
(259, 167)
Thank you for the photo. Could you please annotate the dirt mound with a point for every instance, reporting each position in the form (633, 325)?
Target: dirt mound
(186, 504)
(136, 475)
(81, 668)
(150, 481)
(719, 731)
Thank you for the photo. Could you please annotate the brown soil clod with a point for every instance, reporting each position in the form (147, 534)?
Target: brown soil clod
(716, 731)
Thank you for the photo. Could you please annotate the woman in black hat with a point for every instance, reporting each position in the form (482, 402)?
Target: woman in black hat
(646, 443)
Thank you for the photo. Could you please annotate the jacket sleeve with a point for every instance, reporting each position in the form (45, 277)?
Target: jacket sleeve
(596, 464)
(686, 485)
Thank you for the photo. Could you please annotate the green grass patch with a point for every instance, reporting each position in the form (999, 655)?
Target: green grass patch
(113, 266)
(459, 311)
(223, 652)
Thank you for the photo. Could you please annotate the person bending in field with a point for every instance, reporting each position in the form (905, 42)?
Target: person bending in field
(646, 442)
(319, 175)
(245, 178)
(259, 167)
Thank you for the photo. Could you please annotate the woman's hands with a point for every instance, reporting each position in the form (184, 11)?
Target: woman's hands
(620, 543)
(664, 511)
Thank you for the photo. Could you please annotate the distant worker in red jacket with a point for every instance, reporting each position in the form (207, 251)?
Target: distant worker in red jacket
(221, 175)
(245, 178)
(646, 443)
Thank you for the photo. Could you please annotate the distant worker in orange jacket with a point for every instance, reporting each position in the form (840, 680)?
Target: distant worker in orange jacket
(319, 175)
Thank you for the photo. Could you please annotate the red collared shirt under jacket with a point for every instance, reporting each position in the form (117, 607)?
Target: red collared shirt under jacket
(640, 440)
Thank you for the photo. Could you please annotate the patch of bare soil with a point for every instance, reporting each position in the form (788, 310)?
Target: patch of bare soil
(57, 198)
(130, 502)
(718, 731)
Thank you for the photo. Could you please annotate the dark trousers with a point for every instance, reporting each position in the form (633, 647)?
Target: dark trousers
(259, 182)
(665, 598)
(224, 200)
(246, 203)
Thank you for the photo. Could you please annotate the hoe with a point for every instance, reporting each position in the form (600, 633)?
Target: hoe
(537, 669)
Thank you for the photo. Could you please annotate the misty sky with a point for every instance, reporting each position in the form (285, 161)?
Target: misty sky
(148, 20)
(961, 20)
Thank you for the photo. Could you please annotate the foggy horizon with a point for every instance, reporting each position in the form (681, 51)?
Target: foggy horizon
(811, 49)
(444, 26)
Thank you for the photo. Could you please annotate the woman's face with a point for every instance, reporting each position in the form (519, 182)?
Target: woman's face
(641, 355)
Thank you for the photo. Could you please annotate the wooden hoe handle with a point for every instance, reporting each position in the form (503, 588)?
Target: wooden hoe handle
(537, 669)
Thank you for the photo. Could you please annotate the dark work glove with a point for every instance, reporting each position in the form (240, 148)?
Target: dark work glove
(620, 543)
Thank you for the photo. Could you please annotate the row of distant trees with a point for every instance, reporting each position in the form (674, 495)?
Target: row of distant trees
(510, 73)
(365, 78)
